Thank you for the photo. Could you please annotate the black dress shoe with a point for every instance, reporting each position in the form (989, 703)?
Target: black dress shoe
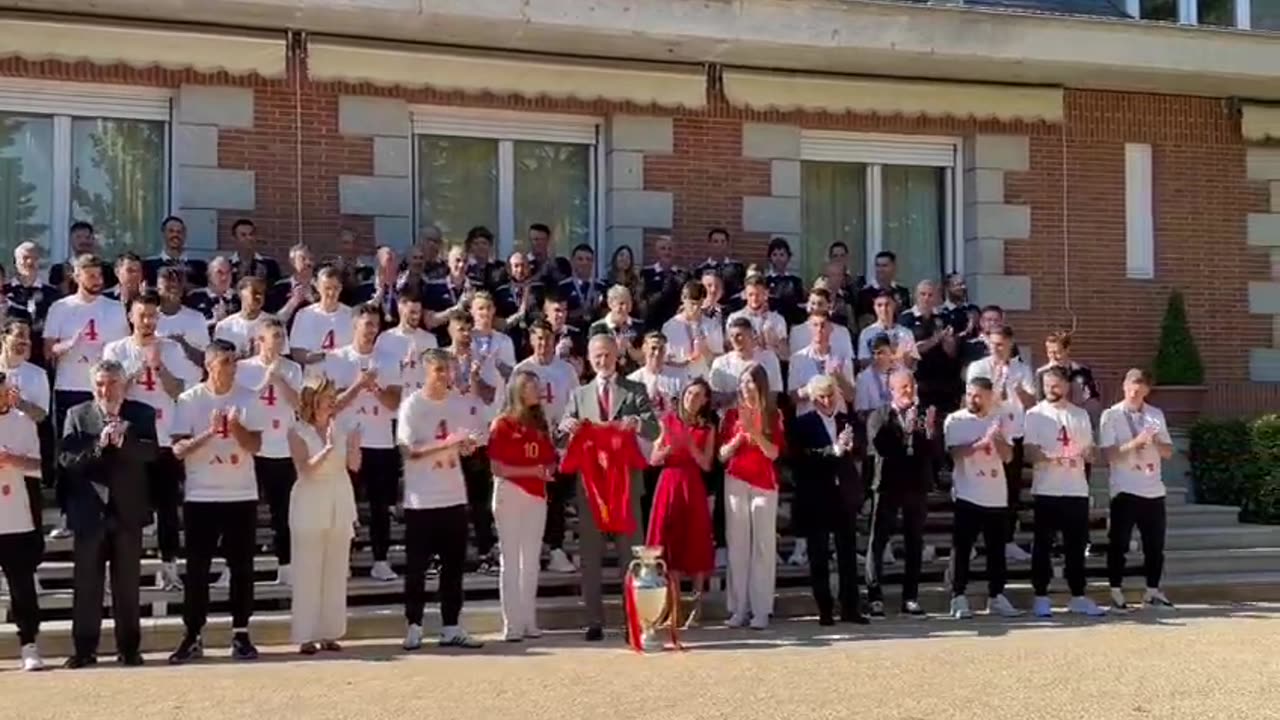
(242, 647)
(595, 633)
(75, 662)
(856, 619)
(825, 620)
(191, 648)
(133, 659)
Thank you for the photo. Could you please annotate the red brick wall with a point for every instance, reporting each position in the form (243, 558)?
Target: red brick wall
(1201, 199)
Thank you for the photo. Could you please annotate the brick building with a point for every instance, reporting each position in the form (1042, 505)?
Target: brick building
(1076, 164)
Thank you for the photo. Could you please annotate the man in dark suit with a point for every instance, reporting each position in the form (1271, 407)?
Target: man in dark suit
(174, 254)
(106, 444)
(829, 494)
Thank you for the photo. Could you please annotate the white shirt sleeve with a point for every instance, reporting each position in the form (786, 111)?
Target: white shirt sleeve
(774, 370)
(180, 366)
(1107, 434)
(404, 432)
(116, 322)
(183, 422)
(949, 432)
(53, 323)
(36, 390)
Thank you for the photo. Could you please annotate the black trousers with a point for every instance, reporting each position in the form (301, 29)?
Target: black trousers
(1014, 485)
(1070, 517)
(63, 400)
(378, 482)
(430, 532)
(884, 521)
(19, 557)
(92, 550)
(832, 512)
(1149, 515)
(559, 494)
(651, 475)
(236, 525)
(475, 471)
(165, 476)
(276, 477)
(970, 521)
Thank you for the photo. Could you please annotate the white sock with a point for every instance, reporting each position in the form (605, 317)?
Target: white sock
(450, 631)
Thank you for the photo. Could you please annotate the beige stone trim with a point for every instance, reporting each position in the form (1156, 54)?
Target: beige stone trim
(786, 91)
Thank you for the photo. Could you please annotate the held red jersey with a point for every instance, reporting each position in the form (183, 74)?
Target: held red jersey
(749, 463)
(514, 443)
(605, 455)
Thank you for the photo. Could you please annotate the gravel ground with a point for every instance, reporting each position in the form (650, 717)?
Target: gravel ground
(1201, 663)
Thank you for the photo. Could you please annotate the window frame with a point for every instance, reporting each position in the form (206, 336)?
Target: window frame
(875, 150)
(1189, 12)
(506, 128)
(62, 102)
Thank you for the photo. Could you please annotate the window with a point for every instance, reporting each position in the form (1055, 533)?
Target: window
(507, 171)
(1139, 244)
(72, 152)
(1244, 14)
(1264, 14)
(877, 193)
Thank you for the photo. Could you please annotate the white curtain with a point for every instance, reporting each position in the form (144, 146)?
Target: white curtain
(913, 217)
(835, 209)
(553, 187)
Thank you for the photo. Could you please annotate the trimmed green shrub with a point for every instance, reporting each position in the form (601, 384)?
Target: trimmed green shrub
(1234, 462)
(1177, 359)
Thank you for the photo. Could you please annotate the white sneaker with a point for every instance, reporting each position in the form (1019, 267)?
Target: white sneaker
(1042, 607)
(799, 553)
(35, 581)
(413, 638)
(1081, 605)
(512, 635)
(457, 637)
(960, 608)
(1013, 552)
(60, 533)
(722, 558)
(1118, 603)
(760, 623)
(1001, 606)
(31, 660)
(224, 580)
(284, 576)
(150, 530)
(532, 632)
(1154, 598)
(168, 578)
(382, 572)
(559, 562)
(888, 557)
(736, 620)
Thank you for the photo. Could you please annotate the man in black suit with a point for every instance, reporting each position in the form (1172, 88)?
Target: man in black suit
(106, 444)
(174, 254)
(829, 494)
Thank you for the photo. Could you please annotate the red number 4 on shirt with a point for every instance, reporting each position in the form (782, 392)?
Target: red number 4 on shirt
(268, 395)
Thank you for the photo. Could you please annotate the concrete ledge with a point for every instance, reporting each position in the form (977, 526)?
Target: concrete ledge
(228, 107)
(394, 231)
(216, 188)
(641, 208)
(359, 115)
(1264, 365)
(997, 220)
(983, 186)
(771, 215)
(392, 156)
(1262, 163)
(195, 145)
(784, 178)
(626, 170)
(643, 134)
(1011, 292)
(984, 256)
(998, 152)
(765, 141)
(363, 195)
(1264, 298)
(1264, 229)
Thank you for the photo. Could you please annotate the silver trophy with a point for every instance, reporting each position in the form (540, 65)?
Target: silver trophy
(648, 574)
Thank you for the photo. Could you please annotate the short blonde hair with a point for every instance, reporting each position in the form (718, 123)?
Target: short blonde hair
(618, 292)
(312, 389)
(820, 385)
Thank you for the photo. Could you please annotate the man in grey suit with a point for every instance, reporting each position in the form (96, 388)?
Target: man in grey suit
(608, 397)
(106, 444)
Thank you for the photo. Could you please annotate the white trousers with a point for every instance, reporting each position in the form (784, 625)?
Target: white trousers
(320, 559)
(751, 523)
(520, 518)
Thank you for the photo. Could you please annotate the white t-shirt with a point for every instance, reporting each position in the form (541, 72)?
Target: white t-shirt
(186, 323)
(242, 332)
(664, 387)
(315, 330)
(147, 387)
(763, 321)
(1063, 435)
(277, 414)
(727, 369)
(496, 345)
(809, 362)
(977, 478)
(409, 347)
(681, 336)
(1016, 375)
(1136, 472)
(841, 341)
(32, 383)
(899, 337)
(557, 380)
(99, 322)
(871, 390)
(18, 436)
(220, 470)
(480, 412)
(344, 367)
(434, 481)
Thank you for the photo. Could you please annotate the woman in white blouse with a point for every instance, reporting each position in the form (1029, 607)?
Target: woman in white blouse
(322, 516)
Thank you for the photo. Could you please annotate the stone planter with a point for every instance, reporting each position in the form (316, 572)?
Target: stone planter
(1181, 404)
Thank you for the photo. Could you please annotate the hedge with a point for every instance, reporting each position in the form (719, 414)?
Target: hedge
(1237, 462)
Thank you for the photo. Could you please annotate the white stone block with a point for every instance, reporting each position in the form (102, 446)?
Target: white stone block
(215, 188)
(784, 178)
(997, 220)
(364, 195)
(1264, 298)
(983, 186)
(228, 107)
(1011, 292)
(626, 170)
(1264, 230)
(641, 208)
(195, 145)
(998, 152)
(360, 115)
(1262, 163)
(391, 156)
(1264, 365)
(642, 134)
(202, 228)
(1275, 196)
(771, 215)
(984, 256)
(766, 141)
(396, 232)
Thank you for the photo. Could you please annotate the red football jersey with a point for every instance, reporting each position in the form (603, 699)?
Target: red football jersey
(749, 462)
(513, 443)
(606, 456)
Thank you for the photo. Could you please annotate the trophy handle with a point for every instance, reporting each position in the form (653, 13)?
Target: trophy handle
(661, 564)
(633, 566)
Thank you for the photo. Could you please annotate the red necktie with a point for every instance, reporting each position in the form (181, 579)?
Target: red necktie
(605, 407)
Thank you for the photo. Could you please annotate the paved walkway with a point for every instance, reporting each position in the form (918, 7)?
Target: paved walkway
(1200, 663)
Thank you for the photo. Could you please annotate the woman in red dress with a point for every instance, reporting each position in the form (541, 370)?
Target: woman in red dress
(680, 522)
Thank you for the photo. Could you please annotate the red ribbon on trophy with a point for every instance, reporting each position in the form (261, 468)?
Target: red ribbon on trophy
(632, 614)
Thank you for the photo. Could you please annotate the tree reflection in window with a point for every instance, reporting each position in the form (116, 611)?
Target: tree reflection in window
(119, 182)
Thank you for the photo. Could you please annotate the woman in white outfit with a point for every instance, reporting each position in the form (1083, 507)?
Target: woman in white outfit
(322, 516)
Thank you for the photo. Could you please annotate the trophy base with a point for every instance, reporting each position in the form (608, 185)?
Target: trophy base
(650, 642)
